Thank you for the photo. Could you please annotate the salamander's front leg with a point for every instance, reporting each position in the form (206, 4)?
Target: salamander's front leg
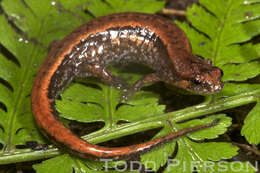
(150, 78)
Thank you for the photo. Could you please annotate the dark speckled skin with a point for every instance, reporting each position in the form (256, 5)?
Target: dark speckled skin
(119, 38)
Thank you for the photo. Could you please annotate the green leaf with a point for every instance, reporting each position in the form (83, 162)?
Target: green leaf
(191, 154)
(203, 157)
(79, 104)
(231, 89)
(84, 107)
(161, 155)
(251, 125)
(209, 133)
(241, 72)
(69, 164)
(141, 106)
(101, 8)
(61, 164)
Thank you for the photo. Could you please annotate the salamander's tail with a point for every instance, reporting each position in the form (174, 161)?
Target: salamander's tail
(147, 146)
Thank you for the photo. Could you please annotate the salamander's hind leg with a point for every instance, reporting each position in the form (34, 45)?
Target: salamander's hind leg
(104, 75)
(150, 78)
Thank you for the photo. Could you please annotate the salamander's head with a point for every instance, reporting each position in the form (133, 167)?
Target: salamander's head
(208, 82)
(199, 76)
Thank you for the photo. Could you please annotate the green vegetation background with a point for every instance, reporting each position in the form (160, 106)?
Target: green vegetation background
(220, 30)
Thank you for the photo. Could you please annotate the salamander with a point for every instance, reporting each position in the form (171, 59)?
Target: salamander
(124, 38)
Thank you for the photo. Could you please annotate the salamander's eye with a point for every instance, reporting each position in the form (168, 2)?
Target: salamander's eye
(196, 81)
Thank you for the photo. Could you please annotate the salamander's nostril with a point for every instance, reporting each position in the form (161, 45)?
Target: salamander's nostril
(209, 62)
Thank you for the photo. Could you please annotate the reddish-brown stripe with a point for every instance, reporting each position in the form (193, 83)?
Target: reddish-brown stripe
(41, 104)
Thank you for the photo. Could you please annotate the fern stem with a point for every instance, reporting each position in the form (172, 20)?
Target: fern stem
(131, 128)
(26, 155)
(177, 116)
(108, 108)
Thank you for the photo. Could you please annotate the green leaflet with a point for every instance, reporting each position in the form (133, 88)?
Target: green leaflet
(99, 8)
(66, 164)
(161, 155)
(202, 156)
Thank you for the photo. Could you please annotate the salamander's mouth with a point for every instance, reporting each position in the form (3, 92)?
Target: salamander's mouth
(206, 87)
(207, 83)
(202, 88)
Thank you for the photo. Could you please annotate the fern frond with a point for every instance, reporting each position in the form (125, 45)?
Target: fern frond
(25, 44)
(221, 31)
